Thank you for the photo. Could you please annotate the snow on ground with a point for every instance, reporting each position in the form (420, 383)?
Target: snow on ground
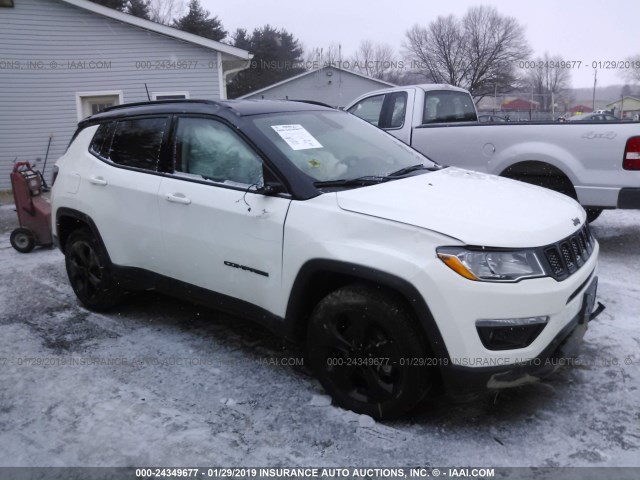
(188, 386)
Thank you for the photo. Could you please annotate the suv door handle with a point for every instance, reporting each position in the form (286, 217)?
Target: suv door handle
(178, 198)
(98, 181)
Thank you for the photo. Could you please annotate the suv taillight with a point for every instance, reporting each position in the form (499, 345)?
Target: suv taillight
(632, 154)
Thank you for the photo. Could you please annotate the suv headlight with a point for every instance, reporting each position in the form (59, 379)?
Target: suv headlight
(492, 265)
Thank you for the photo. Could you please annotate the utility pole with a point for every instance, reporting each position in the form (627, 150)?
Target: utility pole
(340, 65)
(595, 82)
(531, 104)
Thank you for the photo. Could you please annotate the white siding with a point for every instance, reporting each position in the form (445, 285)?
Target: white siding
(37, 100)
(337, 89)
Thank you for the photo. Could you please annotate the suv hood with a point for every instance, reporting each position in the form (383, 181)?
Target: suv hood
(475, 208)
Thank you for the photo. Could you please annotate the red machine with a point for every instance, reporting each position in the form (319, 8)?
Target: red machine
(34, 211)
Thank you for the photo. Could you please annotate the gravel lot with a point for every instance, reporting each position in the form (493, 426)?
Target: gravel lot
(160, 382)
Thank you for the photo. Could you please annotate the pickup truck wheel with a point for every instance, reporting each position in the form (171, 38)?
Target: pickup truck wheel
(360, 342)
(542, 175)
(89, 272)
(558, 183)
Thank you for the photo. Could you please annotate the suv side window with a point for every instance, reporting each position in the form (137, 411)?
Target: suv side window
(369, 109)
(136, 142)
(210, 149)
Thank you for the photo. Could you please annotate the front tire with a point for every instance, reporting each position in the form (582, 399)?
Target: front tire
(89, 272)
(361, 342)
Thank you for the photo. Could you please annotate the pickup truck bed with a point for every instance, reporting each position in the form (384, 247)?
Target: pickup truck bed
(597, 163)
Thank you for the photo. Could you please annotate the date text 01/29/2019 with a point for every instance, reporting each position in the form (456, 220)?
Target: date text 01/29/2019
(578, 64)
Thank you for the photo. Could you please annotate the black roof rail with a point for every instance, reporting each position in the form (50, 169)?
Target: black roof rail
(314, 102)
(161, 102)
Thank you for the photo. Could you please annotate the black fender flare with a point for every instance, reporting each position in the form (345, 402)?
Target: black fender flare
(65, 212)
(304, 280)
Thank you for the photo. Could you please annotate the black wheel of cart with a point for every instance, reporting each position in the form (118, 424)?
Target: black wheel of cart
(22, 240)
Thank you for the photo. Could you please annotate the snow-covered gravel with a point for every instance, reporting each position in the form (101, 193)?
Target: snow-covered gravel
(160, 382)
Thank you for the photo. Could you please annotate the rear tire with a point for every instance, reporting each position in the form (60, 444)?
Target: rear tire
(89, 272)
(360, 344)
(22, 240)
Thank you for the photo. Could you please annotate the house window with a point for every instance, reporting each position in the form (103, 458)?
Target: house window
(97, 107)
(6, 3)
(169, 95)
(90, 103)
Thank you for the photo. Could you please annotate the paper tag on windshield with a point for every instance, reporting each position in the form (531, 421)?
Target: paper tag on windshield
(296, 137)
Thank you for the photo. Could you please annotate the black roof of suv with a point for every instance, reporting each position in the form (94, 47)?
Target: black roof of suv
(238, 107)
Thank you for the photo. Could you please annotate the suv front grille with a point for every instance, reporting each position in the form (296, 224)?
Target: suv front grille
(569, 254)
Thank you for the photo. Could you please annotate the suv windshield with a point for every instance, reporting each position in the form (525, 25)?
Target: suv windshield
(331, 145)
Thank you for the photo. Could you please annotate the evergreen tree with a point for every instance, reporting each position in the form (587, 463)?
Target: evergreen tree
(277, 55)
(241, 39)
(138, 8)
(197, 21)
(115, 4)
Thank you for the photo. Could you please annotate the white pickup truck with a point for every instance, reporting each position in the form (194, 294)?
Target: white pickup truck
(597, 163)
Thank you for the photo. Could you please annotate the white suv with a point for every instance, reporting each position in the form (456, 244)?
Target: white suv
(398, 273)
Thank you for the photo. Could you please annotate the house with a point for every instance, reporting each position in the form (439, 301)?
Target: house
(519, 104)
(489, 103)
(579, 109)
(627, 107)
(331, 85)
(63, 60)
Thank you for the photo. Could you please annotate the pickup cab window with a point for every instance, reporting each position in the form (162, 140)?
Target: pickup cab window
(383, 111)
(395, 110)
(448, 107)
(369, 109)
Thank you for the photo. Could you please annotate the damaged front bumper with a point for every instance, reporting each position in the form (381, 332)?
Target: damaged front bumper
(460, 380)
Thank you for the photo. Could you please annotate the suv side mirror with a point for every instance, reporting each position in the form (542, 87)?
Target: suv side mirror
(271, 188)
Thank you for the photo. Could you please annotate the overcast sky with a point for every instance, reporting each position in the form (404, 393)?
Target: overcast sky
(586, 30)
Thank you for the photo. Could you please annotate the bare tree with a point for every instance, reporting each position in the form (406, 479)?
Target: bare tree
(439, 51)
(479, 52)
(165, 11)
(548, 81)
(374, 60)
(323, 57)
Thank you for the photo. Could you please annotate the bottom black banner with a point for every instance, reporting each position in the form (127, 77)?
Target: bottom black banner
(277, 473)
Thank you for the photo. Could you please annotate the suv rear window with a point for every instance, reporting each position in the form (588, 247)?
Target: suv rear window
(132, 143)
